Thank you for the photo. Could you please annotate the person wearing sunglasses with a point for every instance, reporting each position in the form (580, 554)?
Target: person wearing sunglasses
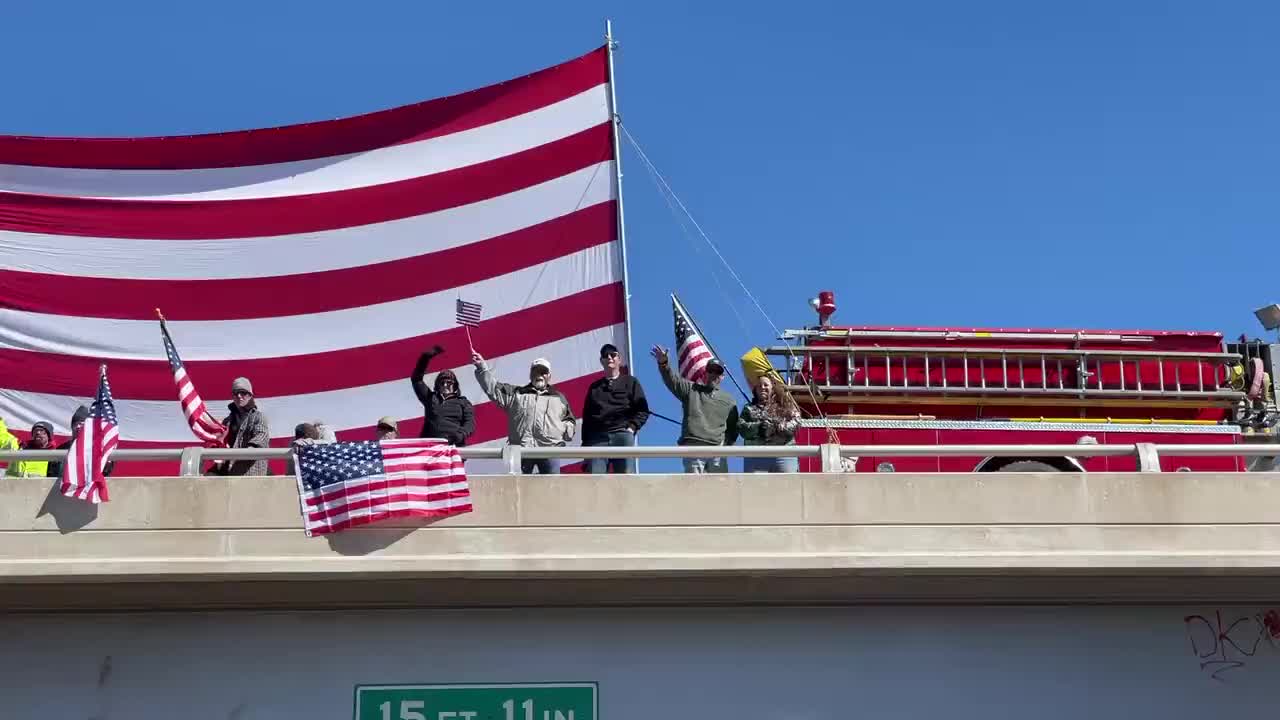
(246, 428)
(447, 413)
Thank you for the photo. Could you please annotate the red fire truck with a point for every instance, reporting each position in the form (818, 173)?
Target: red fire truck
(883, 386)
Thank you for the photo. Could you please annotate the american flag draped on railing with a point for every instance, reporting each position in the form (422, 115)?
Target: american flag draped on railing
(202, 424)
(91, 446)
(692, 352)
(343, 485)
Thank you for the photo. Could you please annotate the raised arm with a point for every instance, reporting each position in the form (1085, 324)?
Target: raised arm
(419, 385)
(678, 386)
(502, 394)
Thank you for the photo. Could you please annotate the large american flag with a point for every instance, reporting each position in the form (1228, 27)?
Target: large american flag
(316, 260)
(202, 424)
(692, 352)
(343, 485)
(91, 446)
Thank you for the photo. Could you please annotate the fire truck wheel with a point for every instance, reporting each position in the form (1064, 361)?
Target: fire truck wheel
(1027, 466)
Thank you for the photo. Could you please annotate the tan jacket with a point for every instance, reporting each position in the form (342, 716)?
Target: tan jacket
(534, 419)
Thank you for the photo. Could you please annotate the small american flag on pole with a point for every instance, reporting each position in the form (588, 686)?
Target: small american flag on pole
(202, 424)
(91, 446)
(343, 485)
(692, 352)
(468, 314)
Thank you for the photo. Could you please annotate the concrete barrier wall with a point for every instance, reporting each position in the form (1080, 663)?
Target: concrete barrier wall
(618, 530)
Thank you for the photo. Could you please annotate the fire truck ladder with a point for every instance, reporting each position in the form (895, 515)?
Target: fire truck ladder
(969, 371)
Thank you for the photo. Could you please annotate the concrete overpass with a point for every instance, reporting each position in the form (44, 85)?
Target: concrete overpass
(578, 540)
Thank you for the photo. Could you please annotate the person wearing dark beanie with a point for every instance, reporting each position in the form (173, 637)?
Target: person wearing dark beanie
(447, 413)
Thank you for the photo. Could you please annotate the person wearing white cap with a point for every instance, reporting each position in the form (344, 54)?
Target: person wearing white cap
(538, 415)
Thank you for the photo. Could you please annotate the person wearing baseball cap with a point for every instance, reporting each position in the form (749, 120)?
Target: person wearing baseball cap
(613, 413)
(387, 428)
(538, 415)
(710, 414)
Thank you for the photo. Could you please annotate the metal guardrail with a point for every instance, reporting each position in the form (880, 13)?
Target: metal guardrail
(1148, 454)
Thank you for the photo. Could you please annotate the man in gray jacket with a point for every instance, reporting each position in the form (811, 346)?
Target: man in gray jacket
(538, 415)
(710, 414)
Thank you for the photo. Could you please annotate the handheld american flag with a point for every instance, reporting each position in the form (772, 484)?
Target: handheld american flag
(91, 446)
(468, 314)
(202, 424)
(692, 352)
(343, 485)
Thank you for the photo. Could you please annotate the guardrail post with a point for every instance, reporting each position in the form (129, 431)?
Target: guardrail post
(1148, 458)
(511, 457)
(830, 454)
(189, 461)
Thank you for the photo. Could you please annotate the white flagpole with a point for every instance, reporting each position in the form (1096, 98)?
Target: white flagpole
(616, 120)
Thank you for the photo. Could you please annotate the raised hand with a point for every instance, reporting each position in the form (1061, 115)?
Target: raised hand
(659, 353)
(477, 359)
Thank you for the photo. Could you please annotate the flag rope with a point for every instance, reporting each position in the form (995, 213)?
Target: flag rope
(665, 187)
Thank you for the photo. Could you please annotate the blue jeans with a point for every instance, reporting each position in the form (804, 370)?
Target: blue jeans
(704, 465)
(544, 466)
(768, 465)
(617, 438)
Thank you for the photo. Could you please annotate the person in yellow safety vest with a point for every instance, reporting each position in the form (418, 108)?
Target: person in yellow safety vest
(8, 441)
(41, 439)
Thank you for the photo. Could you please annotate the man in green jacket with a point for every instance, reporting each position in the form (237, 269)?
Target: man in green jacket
(710, 414)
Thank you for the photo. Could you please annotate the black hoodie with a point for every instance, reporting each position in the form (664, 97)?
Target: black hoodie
(446, 416)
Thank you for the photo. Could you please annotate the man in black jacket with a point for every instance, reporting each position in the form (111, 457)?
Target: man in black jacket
(614, 411)
(447, 413)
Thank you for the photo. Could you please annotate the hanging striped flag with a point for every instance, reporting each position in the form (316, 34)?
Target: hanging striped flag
(468, 314)
(343, 485)
(91, 446)
(692, 352)
(203, 426)
(317, 260)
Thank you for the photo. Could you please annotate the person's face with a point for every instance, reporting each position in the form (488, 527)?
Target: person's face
(242, 398)
(610, 361)
(765, 388)
(714, 377)
(386, 433)
(539, 376)
(448, 386)
(39, 437)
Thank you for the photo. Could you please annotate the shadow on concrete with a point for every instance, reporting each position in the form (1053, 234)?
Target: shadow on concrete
(370, 538)
(69, 514)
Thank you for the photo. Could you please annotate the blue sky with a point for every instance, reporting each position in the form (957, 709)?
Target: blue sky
(1004, 164)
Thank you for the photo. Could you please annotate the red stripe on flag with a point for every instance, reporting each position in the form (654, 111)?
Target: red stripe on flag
(294, 214)
(432, 118)
(150, 379)
(241, 298)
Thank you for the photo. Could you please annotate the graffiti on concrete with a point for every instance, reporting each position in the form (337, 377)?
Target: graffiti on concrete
(1228, 639)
